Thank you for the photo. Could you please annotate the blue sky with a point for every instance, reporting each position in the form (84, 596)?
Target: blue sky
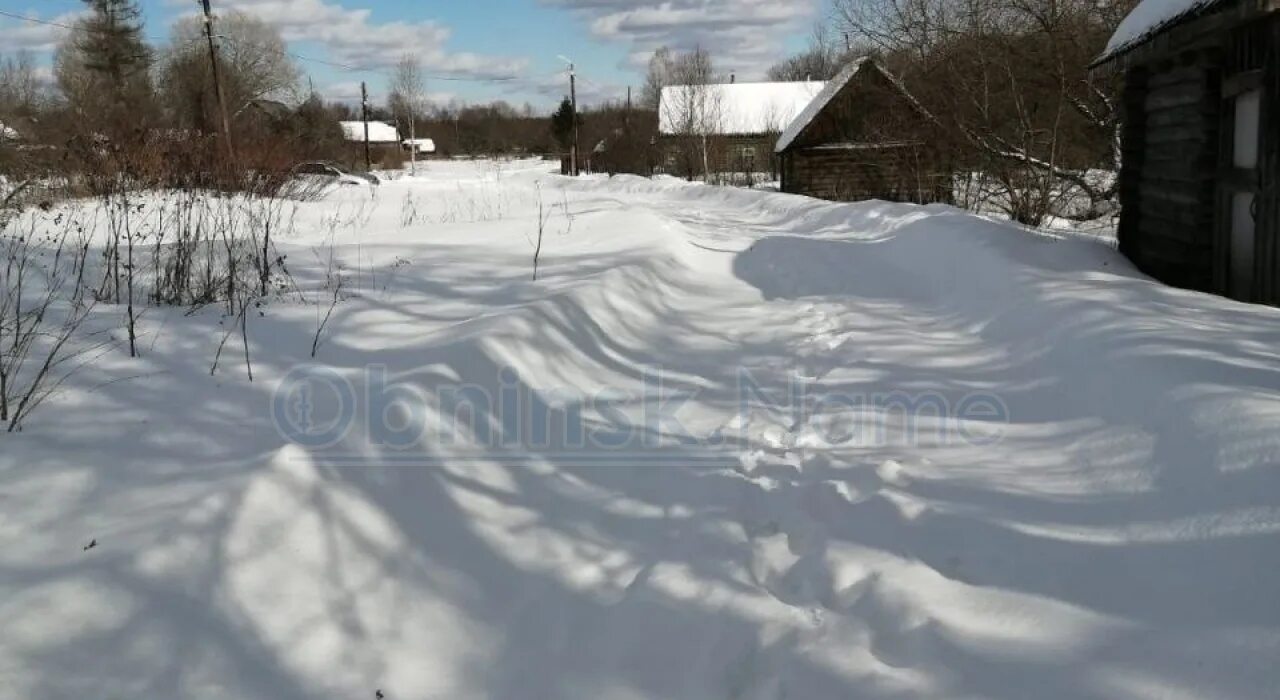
(474, 41)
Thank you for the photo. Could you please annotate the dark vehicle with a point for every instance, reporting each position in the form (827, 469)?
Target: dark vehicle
(330, 173)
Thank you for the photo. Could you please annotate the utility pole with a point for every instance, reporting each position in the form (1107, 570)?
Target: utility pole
(573, 104)
(217, 80)
(573, 100)
(364, 117)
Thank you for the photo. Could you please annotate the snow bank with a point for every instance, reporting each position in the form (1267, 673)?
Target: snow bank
(1117, 539)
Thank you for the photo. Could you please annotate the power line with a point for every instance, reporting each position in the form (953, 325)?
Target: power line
(63, 25)
(311, 59)
(34, 20)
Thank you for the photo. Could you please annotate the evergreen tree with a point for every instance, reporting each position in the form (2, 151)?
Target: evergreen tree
(104, 69)
(562, 124)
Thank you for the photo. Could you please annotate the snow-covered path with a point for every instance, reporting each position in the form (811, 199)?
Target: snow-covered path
(1083, 502)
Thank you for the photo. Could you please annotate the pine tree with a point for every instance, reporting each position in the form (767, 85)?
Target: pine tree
(562, 123)
(105, 68)
(111, 41)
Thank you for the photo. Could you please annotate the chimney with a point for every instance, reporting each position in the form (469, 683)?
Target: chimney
(733, 78)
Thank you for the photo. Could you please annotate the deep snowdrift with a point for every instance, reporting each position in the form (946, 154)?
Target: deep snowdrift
(1114, 534)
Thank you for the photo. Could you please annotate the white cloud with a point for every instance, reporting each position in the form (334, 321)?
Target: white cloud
(32, 36)
(745, 36)
(351, 37)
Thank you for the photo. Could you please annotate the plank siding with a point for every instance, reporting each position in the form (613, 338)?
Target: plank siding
(1168, 188)
(900, 174)
(1177, 177)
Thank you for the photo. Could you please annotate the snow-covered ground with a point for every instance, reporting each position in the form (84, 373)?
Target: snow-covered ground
(795, 450)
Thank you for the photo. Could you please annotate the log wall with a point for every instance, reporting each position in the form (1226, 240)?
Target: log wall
(898, 174)
(1169, 166)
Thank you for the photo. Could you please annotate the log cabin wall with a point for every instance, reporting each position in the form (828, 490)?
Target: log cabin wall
(1178, 174)
(1169, 168)
(727, 153)
(897, 173)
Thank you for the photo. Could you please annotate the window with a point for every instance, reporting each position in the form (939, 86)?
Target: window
(1247, 129)
(1245, 115)
(747, 158)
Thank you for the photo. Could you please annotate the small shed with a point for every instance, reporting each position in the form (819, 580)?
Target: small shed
(1200, 168)
(421, 145)
(864, 137)
(384, 147)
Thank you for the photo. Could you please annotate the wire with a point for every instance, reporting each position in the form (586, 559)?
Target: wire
(333, 64)
(34, 20)
(61, 25)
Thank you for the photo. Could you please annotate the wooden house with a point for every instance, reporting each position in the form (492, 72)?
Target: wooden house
(1200, 169)
(864, 137)
(726, 128)
(383, 144)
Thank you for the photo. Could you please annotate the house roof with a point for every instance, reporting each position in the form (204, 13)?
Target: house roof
(379, 132)
(739, 108)
(424, 145)
(833, 88)
(1149, 18)
(272, 108)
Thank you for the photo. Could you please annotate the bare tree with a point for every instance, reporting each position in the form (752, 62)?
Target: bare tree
(692, 108)
(1009, 80)
(658, 76)
(21, 94)
(820, 61)
(40, 318)
(254, 64)
(409, 86)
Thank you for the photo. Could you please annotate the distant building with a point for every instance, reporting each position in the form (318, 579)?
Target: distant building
(864, 137)
(726, 127)
(1200, 169)
(422, 146)
(380, 133)
(384, 143)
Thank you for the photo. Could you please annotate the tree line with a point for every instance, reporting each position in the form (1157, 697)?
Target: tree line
(116, 102)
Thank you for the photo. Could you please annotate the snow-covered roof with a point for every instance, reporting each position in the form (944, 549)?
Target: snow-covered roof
(424, 145)
(1147, 19)
(833, 88)
(7, 132)
(737, 108)
(379, 132)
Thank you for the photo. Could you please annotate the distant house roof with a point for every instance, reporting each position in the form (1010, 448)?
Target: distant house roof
(736, 108)
(424, 145)
(379, 132)
(273, 109)
(833, 87)
(1149, 18)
